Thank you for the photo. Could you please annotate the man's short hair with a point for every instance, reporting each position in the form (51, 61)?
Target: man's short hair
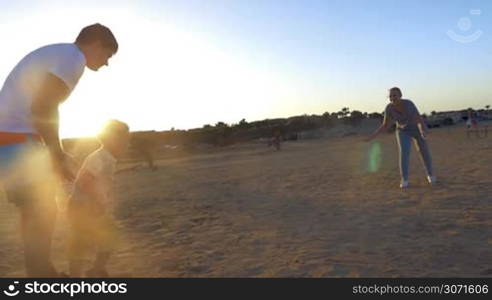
(98, 32)
(113, 128)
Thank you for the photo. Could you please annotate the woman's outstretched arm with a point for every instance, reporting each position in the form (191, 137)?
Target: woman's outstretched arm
(383, 127)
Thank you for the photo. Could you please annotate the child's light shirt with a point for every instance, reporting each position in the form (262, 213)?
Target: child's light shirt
(101, 165)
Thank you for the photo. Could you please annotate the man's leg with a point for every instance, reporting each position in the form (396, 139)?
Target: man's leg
(37, 209)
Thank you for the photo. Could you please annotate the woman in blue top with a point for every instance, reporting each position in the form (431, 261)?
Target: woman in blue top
(409, 125)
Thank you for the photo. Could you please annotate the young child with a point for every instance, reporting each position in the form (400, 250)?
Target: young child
(90, 204)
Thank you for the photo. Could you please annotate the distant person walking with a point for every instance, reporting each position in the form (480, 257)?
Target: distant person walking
(472, 125)
(277, 139)
(31, 154)
(409, 126)
(145, 147)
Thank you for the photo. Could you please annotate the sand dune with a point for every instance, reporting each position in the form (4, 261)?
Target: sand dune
(318, 208)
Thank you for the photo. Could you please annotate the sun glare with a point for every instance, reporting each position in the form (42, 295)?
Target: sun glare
(162, 76)
(166, 79)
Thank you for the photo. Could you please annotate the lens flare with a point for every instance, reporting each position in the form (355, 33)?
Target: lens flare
(374, 157)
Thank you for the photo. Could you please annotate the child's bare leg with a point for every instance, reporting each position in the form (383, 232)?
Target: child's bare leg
(78, 245)
(99, 268)
(75, 267)
(107, 239)
(101, 261)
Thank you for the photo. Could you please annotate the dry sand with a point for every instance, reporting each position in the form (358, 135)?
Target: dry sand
(312, 210)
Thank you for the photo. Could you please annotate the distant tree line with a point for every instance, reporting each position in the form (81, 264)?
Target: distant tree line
(223, 134)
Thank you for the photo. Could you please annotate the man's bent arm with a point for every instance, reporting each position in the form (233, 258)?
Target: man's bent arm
(45, 112)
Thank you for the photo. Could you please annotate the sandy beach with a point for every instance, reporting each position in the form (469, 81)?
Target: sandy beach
(327, 207)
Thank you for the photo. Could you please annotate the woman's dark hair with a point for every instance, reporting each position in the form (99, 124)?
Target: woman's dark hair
(98, 32)
(397, 89)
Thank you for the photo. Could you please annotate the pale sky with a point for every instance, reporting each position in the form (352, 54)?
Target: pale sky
(186, 63)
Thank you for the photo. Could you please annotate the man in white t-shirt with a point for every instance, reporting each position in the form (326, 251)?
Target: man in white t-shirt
(31, 154)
